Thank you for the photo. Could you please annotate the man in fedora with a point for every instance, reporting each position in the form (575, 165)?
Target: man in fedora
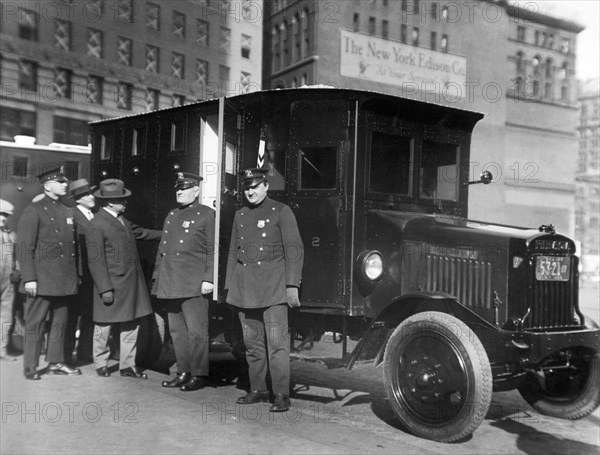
(183, 277)
(120, 293)
(49, 273)
(264, 271)
(9, 277)
(80, 315)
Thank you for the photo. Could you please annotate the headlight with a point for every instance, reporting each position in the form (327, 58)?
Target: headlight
(371, 265)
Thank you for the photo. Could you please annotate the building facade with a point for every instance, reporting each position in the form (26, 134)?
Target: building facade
(515, 65)
(66, 63)
(587, 208)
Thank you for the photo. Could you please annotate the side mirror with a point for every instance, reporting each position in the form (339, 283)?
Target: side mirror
(486, 177)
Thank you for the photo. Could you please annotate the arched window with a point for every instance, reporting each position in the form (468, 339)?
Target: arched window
(297, 39)
(536, 63)
(303, 27)
(306, 33)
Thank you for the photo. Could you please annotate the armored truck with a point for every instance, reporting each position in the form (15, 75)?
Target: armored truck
(449, 309)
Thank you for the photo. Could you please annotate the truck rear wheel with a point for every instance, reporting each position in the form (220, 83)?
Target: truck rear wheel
(567, 393)
(437, 377)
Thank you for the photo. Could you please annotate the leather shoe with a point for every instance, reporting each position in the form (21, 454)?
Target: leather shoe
(281, 403)
(177, 381)
(31, 374)
(133, 372)
(103, 372)
(254, 396)
(197, 383)
(61, 368)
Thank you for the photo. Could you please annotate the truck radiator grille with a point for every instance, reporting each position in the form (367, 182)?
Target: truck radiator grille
(466, 279)
(552, 303)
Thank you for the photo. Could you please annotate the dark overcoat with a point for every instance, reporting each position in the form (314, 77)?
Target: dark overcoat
(186, 252)
(115, 265)
(47, 251)
(86, 284)
(265, 256)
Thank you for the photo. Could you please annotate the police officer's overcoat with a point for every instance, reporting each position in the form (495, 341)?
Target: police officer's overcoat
(186, 252)
(115, 265)
(47, 249)
(266, 255)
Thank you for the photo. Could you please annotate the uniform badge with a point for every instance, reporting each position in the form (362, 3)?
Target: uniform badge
(185, 225)
(69, 220)
(260, 224)
(180, 175)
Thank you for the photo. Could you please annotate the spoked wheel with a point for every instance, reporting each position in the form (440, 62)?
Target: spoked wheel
(437, 377)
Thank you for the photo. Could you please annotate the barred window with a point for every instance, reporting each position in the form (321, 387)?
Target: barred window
(246, 46)
(124, 50)
(14, 122)
(94, 43)
(28, 26)
(94, 89)
(152, 59)
(153, 16)
(28, 75)
(201, 71)
(178, 25)
(152, 99)
(70, 131)
(202, 33)
(177, 100)
(63, 83)
(225, 39)
(62, 35)
(177, 65)
(124, 96)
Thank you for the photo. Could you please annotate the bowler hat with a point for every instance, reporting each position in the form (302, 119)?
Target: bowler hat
(53, 173)
(80, 188)
(187, 180)
(6, 207)
(253, 176)
(112, 189)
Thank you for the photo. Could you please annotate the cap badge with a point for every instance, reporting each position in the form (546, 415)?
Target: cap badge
(180, 175)
(249, 173)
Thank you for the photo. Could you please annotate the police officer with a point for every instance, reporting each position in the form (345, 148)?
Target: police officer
(49, 273)
(9, 276)
(263, 276)
(183, 277)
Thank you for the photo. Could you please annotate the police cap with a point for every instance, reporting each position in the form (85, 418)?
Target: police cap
(187, 180)
(254, 176)
(53, 173)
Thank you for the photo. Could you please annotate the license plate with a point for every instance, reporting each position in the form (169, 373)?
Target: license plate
(552, 268)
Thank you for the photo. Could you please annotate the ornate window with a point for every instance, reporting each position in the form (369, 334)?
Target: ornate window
(94, 43)
(124, 96)
(246, 46)
(245, 82)
(124, 50)
(93, 89)
(151, 99)
(63, 82)
(177, 65)
(177, 100)
(28, 26)
(62, 35)
(201, 71)
(225, 39)
(153, 16)
(444, 43)
(28, 75)
(202, 33)
(152, 58)
(178, 29)
(125, 11)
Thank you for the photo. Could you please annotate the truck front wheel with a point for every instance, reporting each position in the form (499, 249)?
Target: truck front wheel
(437, 376)
(567, 387)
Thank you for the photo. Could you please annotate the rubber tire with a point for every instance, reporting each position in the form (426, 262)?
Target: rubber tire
(467, 348)
(582, 405)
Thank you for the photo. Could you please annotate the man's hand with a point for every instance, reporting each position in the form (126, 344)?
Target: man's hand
(292, 297)
(108, 298)
(31, 288)
(206, 288)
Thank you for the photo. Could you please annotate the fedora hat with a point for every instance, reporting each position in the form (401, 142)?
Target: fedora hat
(80, 188)
(112, 189)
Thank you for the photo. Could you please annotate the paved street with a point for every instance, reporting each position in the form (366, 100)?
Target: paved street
(335, 411)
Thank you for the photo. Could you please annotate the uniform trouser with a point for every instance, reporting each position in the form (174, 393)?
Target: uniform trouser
(128, 332)
(7, 299)
(188, 326)
(265, 332)
(36, 309)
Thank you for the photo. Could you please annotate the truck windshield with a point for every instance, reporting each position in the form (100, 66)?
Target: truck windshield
(390, 164)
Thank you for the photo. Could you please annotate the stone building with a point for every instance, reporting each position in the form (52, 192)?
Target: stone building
(515, 65)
